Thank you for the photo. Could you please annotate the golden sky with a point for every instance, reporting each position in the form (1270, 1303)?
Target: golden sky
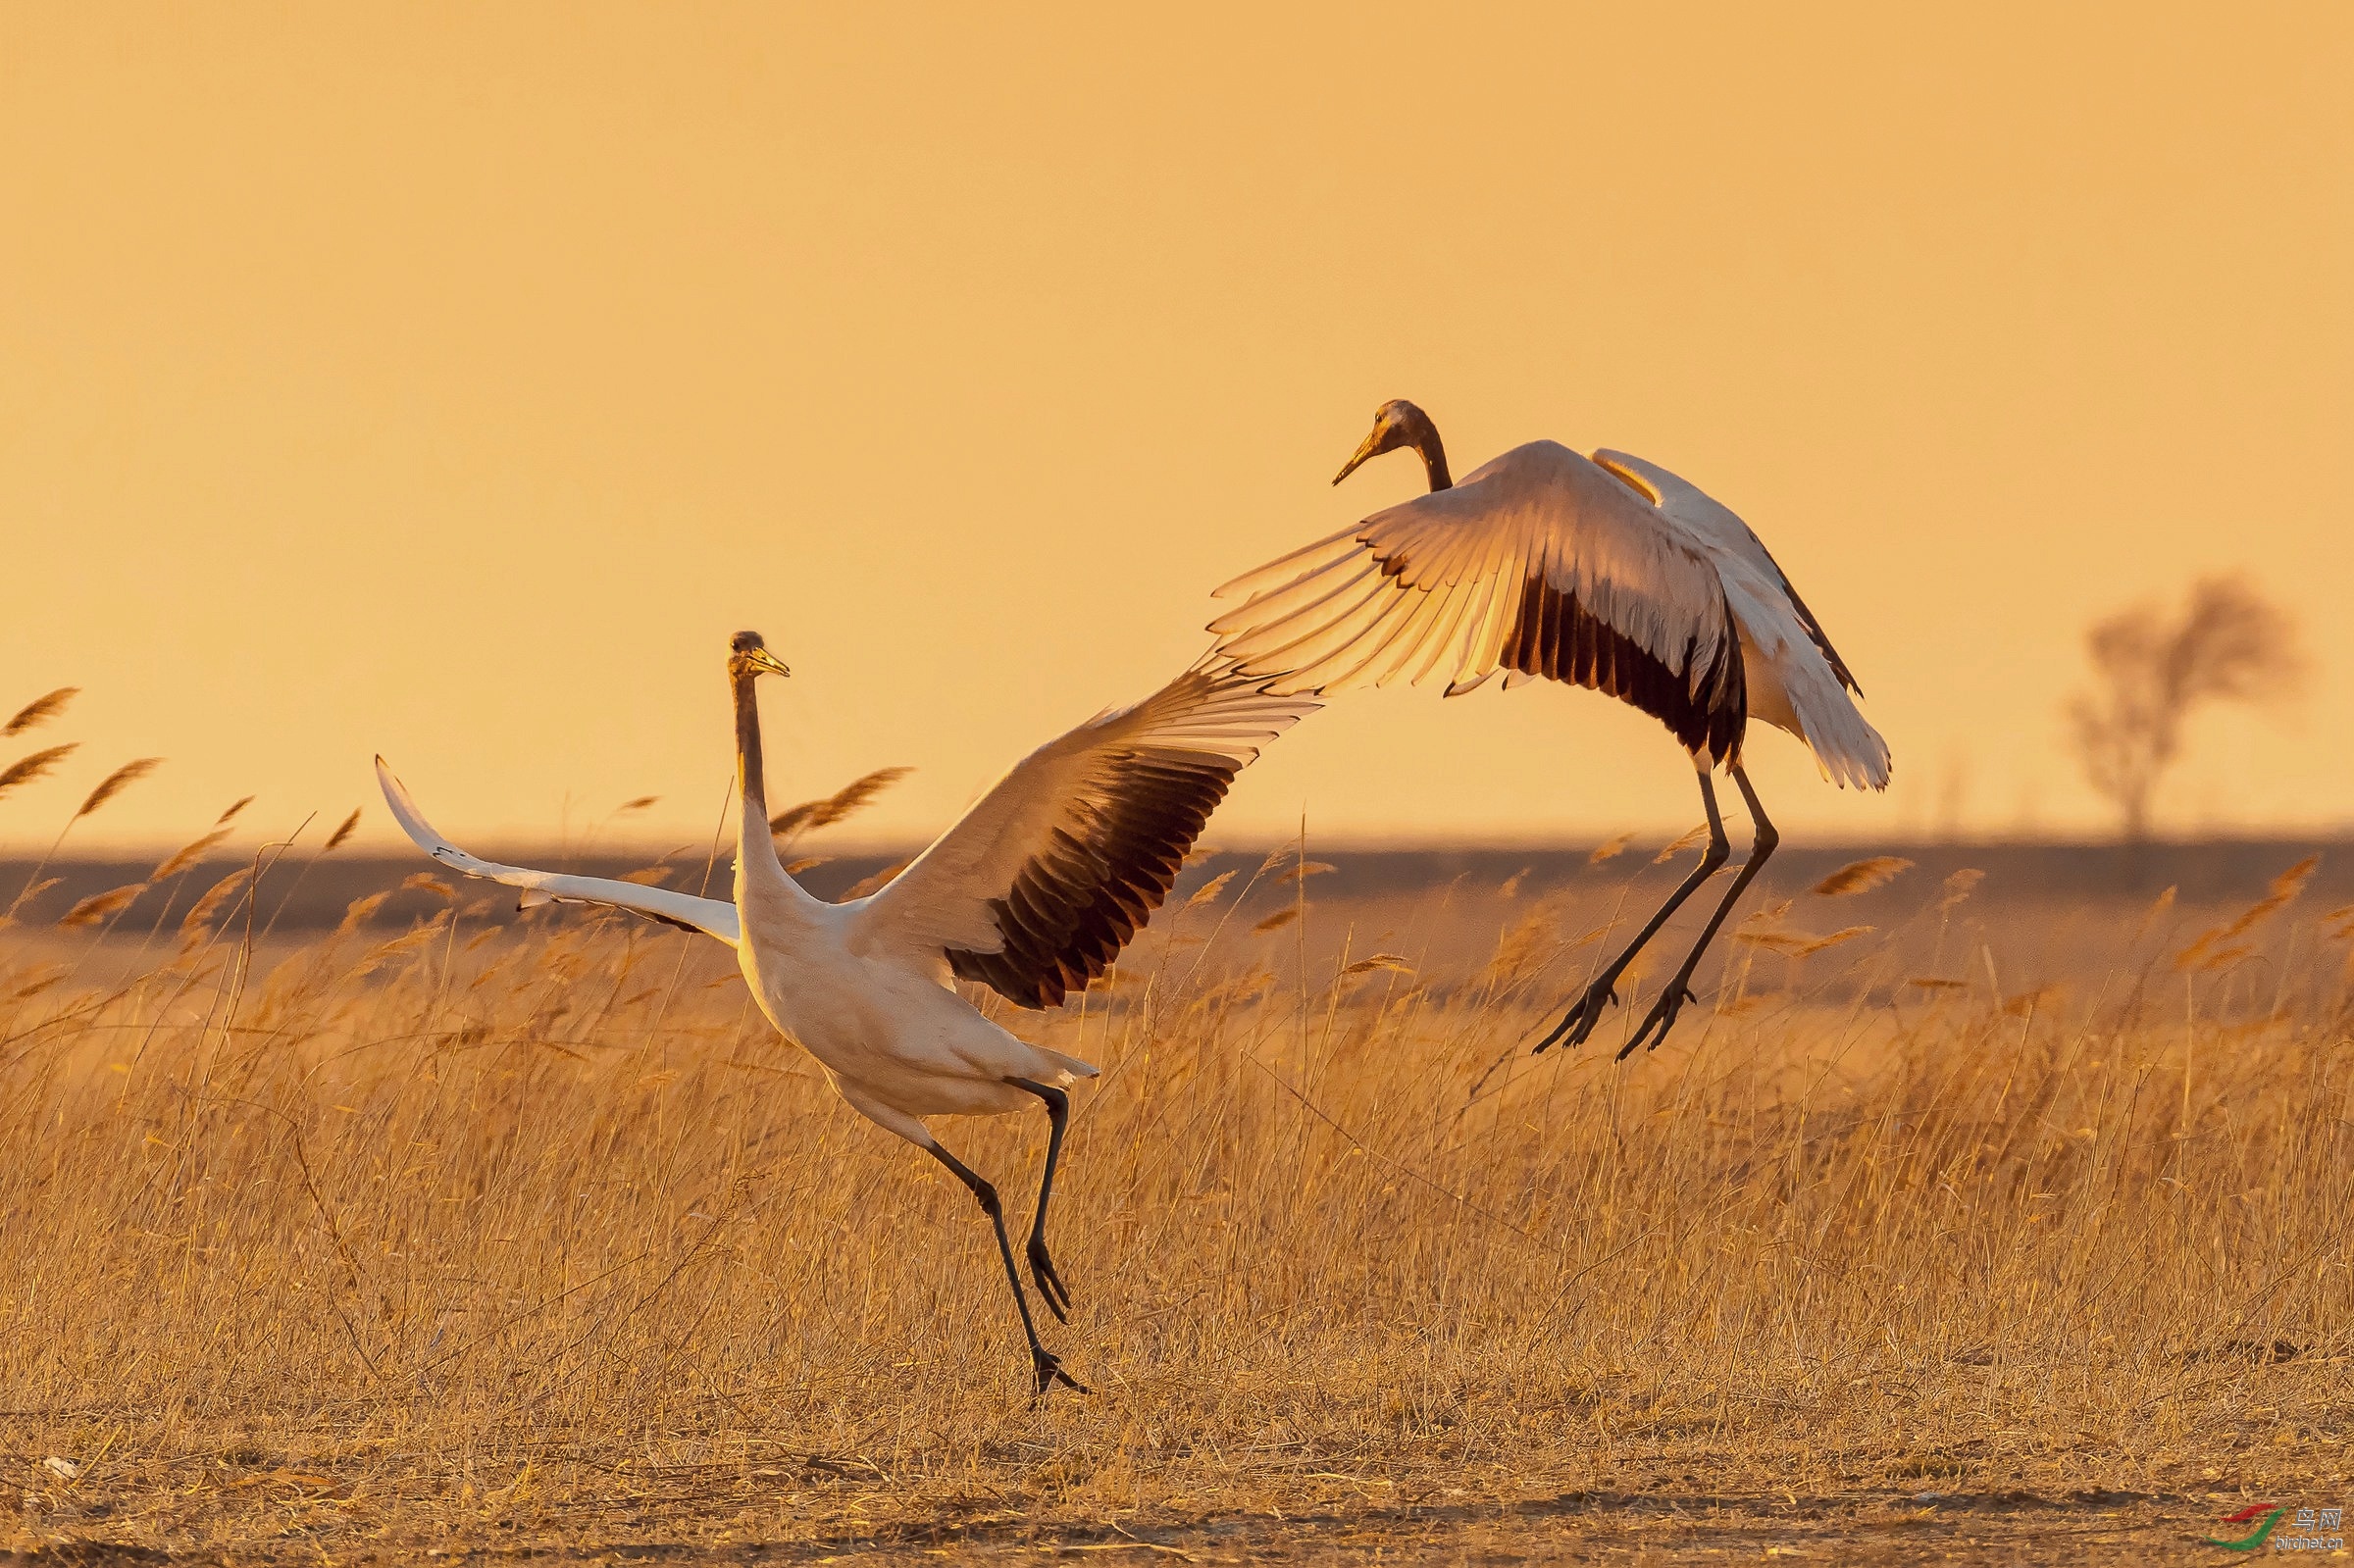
(451, 380)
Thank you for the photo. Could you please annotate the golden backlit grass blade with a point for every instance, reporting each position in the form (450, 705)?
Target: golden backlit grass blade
(2339, 923)
(402, 946)
(1764, 928)
(24, 770)
(1688, 840)
(1389, 961)
(867, 886)
(39, 711)
(656, 876)
(1937, 983)
(2292, 881)
(234, 807)
(1512, 884)
(639, 804)
(114, 784)
(840, 806)
(1529, 942)
(1862, 875)
(1208, 892)
(1300, 872)
(188, 855)
(1280, 919)
(1959, 886)
(1847, 933)
(425, 882)
(2220, 946)
(1610, 848)
(335, 840)
(36, 890)
(36, 980)
(100, 907)
(2159, 907)
(357, 913)
(200, 914)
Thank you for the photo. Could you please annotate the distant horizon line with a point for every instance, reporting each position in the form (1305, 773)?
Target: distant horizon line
(526, 851)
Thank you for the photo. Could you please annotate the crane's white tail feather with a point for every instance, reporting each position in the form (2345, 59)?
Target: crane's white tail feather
(1847, 748)
(1067, 1068)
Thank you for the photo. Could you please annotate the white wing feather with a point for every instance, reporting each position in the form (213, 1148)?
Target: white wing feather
(714, 916)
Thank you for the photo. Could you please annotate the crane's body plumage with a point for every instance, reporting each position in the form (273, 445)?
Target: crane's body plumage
(1606, 572)
(1034, 891)
(896, 1039)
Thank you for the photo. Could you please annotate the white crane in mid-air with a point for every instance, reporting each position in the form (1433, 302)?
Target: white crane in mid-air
(1607, 571)
(1033, 892)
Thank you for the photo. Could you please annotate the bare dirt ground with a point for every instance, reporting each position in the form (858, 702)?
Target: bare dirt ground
(1669, 1521)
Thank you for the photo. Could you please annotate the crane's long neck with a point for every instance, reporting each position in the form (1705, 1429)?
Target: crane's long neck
(758, 868)
(1433, 456)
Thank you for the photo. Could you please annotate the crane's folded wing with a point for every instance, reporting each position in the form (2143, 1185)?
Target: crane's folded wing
(1815, 684)
(1037, 888)
(1712, 520)
(713, 916)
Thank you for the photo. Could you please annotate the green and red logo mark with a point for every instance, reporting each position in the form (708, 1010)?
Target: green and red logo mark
(2249, 1542)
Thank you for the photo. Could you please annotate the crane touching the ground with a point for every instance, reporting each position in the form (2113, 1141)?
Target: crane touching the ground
(1606, 572)
(1033, 892)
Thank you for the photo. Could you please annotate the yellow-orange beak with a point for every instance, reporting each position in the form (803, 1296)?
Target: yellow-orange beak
(764, 661)
(1370, 446)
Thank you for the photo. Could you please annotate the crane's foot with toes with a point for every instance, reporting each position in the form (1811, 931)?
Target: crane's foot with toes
(1659, 1019)
(1051, 1289)
(1048, 1366)
(1578, 1023)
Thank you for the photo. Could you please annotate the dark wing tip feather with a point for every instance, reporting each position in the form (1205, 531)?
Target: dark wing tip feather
(1074, 906)
(1707, 709)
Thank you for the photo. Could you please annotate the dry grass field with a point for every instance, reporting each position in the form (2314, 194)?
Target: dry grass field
(477, 1238)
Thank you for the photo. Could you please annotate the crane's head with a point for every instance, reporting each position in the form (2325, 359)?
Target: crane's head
(748, 657)
(1396, 423)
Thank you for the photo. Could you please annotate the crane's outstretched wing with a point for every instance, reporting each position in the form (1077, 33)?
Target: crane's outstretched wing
(1539, 564)
(1038, 887)
(713, 916)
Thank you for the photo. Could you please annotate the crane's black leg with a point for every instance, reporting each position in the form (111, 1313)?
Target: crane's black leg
(1678, 992)
(1051, 1289)
(1043, 1364)
(1586, 1011)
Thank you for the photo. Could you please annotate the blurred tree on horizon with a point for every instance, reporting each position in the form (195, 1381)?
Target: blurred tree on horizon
(2152, 672)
